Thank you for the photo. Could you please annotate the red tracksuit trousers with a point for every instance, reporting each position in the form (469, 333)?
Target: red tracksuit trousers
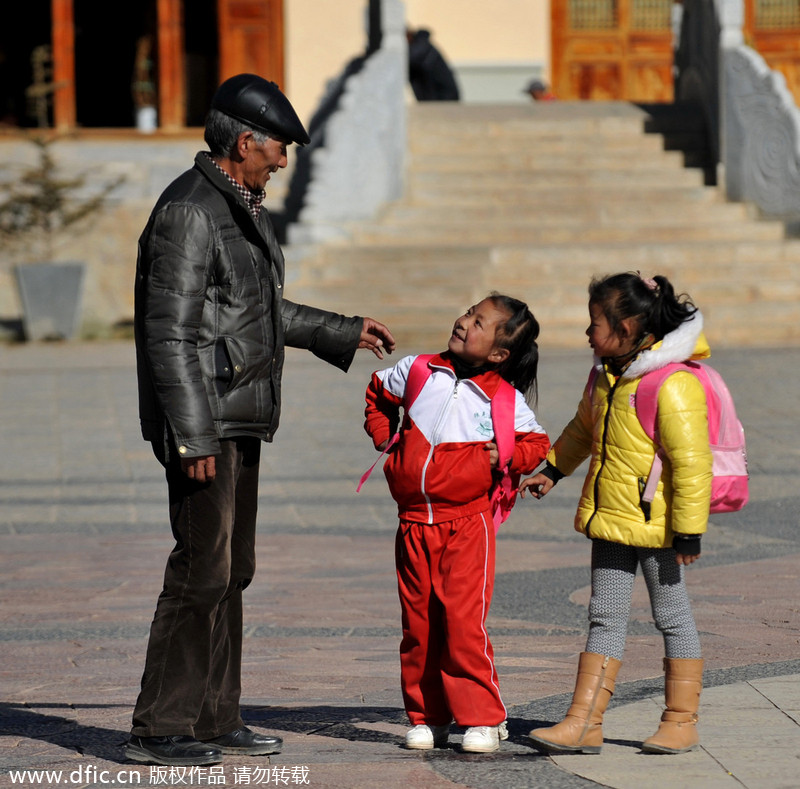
(445, 575)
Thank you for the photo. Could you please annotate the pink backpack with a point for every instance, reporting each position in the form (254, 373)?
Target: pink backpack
(503, 494)
(729, 485)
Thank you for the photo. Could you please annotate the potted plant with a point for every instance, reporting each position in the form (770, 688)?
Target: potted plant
(143, 88)
(38, 208)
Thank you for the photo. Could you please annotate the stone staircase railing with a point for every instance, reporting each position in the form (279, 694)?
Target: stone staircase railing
(751, 116)
(360, 166)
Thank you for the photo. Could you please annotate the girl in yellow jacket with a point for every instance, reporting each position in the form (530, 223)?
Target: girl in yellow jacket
(637, 325)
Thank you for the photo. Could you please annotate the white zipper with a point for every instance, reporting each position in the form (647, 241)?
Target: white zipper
(434, 440)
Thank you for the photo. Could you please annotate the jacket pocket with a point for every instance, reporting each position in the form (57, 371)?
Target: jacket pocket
(224, 368)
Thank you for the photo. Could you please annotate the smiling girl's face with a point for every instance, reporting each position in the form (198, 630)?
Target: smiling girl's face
(605, 341)
(474, 337)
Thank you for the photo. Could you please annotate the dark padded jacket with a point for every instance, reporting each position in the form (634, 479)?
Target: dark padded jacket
(211, 321)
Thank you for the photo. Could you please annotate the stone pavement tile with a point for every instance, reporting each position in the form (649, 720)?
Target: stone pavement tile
(745, 740)
(761, 737)
(783, 693)
(621, 763)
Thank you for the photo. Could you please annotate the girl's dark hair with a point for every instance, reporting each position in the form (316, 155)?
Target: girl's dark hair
(518, 334)
(652, 303)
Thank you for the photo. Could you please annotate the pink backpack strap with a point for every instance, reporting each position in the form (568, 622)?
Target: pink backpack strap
(504, 406)
(365, 476)
(714, 388)
(647, 412)
(418, 374)
(591, 382)
(647, 396)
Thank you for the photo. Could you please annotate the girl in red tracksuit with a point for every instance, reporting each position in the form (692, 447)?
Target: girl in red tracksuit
(440, 474)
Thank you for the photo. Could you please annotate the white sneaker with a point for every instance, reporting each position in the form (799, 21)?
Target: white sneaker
(424, 738)
(484, 739)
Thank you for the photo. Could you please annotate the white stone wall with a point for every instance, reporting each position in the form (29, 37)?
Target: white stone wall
(752, 116)
(761, 135)
(360, 166)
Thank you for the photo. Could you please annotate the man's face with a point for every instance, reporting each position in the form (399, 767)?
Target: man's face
(261, 159)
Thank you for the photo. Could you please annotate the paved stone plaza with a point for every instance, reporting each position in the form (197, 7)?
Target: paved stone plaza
(84, 538)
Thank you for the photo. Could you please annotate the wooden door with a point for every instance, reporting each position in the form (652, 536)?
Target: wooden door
(772, 28)
(63, 37)
(251, 38)
(612, 49)
(171, 65)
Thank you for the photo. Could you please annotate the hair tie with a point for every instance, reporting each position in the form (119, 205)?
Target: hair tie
(649, 282)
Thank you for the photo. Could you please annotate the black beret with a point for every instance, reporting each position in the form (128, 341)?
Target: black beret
(258, 103)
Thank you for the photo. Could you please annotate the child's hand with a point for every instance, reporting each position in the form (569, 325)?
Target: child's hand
(382, 445)
(685, 558)
(539, 486)
(494, 455)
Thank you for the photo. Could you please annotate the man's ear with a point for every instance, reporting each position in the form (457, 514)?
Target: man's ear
(498, 355)
(243, 142)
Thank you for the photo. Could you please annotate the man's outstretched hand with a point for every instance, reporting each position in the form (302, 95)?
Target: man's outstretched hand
(376, 337)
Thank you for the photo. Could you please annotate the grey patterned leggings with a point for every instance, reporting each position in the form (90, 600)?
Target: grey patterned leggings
(613, 572)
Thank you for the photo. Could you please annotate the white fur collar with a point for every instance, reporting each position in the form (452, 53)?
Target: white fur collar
(677, 346)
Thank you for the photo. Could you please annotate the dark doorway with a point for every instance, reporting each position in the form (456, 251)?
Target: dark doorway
(105, 56)
(25, 26)
(202, 58)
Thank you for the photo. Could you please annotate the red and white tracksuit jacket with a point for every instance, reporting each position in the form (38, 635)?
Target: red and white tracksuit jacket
(440, 477)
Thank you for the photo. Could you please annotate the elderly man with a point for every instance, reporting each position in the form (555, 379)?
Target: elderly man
(211, 325)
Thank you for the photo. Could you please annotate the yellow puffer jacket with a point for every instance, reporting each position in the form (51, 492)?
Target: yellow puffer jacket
(607, 429)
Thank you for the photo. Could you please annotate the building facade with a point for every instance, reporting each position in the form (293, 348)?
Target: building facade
(74, 64)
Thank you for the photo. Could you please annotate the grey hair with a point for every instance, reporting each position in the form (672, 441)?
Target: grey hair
(222, 133)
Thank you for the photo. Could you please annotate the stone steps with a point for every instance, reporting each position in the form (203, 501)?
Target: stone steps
(534, 147)
(530, 231)
(528, 160)
(592, 204)
(574, 178)
(710, 260)
(534, 202)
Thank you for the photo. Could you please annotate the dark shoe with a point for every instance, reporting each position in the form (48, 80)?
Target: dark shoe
(244, 741)
(176, 751)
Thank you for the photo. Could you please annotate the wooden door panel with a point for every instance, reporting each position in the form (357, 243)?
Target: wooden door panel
(772, 28)
(649, 82)
(612, 49)
(590, 49)
(595, 81)
(251, 38)
(646, 44)
(652, 15)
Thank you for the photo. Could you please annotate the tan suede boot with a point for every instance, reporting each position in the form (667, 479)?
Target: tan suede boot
(581, 730)
(677, 732)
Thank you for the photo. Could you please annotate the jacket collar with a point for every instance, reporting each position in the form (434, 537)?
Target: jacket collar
(263, 227)
(684, 343)
(203, 163)
(486, 383)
